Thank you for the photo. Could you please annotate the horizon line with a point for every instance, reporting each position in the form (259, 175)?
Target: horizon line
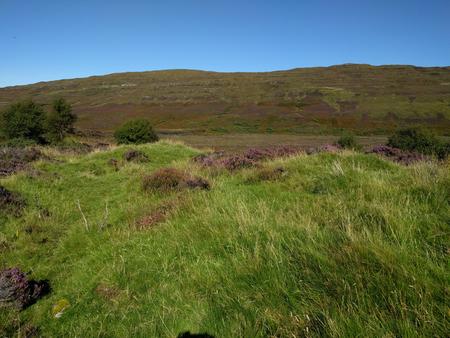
(220, 72)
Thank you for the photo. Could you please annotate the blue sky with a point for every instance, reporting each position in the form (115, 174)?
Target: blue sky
(44, 40)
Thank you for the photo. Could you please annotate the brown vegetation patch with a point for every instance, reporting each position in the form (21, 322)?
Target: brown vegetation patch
(398, 155)
(267, 174)
(135, 156)
(114, 164)
(159, 215)
(249, 158)
(14, 159)
(107, 292)
(154, 218)
(197, 182)
(18, 291)
(166, 179)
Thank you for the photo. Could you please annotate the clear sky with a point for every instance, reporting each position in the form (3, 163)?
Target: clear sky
(53, 39)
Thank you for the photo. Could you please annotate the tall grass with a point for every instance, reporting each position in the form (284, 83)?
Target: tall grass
(340, 245)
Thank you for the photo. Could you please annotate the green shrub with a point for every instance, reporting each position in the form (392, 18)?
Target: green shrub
(24, 120)
(419, 140)
(59, 121)
(19, 143)
(443, 150)
(135, 131)
(347, 141)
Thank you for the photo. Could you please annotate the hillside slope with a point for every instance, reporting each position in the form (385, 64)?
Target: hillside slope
(361, 97)
(339, 245)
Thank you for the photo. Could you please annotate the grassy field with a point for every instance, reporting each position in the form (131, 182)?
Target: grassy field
(340, 245)
(323, 100)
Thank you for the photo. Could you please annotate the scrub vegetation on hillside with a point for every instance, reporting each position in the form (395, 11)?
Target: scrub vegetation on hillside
(322, 100)
(336, 243)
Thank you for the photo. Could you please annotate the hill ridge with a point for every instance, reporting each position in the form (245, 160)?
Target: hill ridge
(364, 98)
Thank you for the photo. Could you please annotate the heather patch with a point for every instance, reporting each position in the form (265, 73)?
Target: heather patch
(250, 158)
(209, 160)
(18, 291)
(15, 159)
(237, 162)
(197, 182)
(170, 179)
(135, 156)
(398, 155)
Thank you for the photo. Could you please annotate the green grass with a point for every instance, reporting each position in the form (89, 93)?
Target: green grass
(342, 245)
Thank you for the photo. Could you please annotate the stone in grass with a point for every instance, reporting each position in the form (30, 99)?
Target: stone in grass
(18, 291)
(59, 307)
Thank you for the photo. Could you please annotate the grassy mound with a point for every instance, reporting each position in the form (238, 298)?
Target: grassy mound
(344, 244)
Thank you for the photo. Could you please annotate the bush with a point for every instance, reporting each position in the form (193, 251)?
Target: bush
(443, 150)
(59, 121)
(13, 159)
(135, 131)
(347, 141)
(419, 140)
(24, 120)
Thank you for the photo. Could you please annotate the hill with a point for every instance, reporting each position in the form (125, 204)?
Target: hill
(367, 99)
(331, 244)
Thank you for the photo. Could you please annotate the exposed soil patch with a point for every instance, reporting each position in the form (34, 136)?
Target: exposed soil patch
(15, 159)
(18, 291)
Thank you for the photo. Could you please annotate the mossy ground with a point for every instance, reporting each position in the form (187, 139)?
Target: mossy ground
(340, 245)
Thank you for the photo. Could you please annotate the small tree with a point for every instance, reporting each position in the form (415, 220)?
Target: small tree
(347, 141)
(415, 139)
(23, 120)
(60, 120)
(135, 131)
